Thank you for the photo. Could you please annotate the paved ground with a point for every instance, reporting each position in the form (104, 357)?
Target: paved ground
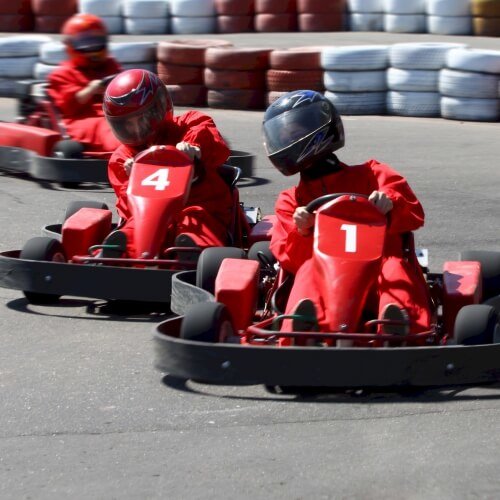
(86, 415)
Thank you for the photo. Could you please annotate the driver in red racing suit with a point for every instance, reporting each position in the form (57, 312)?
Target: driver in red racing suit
(302, 129)
(76, 87)
(140, 112)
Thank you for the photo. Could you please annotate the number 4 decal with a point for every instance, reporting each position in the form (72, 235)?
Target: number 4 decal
(350, 237)
(159, 179)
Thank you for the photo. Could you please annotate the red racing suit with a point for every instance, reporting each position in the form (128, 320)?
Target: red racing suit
(399, 282)
(208, 211)
(84, 123)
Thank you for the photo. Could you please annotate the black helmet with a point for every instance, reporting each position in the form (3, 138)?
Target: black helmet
(299, 128)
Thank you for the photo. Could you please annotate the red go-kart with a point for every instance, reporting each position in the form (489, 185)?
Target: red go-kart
(72, 259)
(233, 332)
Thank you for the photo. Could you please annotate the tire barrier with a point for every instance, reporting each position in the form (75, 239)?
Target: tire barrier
(406, 79)
(181, 65)
(236, 64)
(442, 17)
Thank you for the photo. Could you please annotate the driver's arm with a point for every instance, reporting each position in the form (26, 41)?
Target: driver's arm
(87, 93)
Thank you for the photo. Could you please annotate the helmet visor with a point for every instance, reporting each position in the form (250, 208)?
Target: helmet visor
(89, 43)
(287, 128)
(136, 128)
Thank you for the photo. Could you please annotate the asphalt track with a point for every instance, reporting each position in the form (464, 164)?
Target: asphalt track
(85, 415)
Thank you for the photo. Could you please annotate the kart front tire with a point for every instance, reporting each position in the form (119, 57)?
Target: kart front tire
(209, 264)
(207, 322)
(476, 324)
(261, 247)
(42, 248)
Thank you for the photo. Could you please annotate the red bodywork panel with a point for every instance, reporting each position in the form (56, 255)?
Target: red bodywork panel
(348, 246)
(87, 227)
(39, 140)
(462, 285)
(236, 286)
(262, 230)
(159, 187)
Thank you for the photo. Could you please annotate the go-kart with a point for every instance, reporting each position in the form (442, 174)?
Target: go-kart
(232, 331)
(71, 259)
(38, 144)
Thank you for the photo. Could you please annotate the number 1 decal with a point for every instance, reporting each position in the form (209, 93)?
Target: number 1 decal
(159, 179)
(350, 237)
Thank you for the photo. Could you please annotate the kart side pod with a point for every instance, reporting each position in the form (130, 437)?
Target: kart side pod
(236, 286)
(87, 227)
(462, 285)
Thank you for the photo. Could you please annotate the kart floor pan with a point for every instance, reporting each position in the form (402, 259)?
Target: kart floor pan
(339, 368)
(82, 280)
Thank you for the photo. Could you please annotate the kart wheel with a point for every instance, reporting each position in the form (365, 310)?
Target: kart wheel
(74, 206)
(476, 324)
(209, 263)
(490, 269)
(207, 322)
(47, 249)
(261, 252)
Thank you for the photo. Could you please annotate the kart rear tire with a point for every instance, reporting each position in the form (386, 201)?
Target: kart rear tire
(476, 324)
(490, 269)
(42, 248)
(207, 322)
(209, 263)
(74, 206)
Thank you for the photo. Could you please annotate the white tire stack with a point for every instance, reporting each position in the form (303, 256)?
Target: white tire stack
(366, 15)
(449, 17)
(51, 55)
(193, 16)
(404, 16)
(134, 55)
(145, 17)
(110, 11)
(469, 85)
(413, 78)
(18, 57)
(354, 78)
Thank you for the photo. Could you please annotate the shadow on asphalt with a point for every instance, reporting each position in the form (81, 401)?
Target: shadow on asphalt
(97, 310)
(324, 395)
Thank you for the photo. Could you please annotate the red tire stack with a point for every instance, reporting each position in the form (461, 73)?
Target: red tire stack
(236, 77)
(294, 69)
(181, 64)
(15, 16)
(319, 15)
(50, 15)
(275, 16)
(234, 16)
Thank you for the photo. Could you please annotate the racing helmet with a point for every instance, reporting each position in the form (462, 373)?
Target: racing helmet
(135, 103)
(299, 128)
(86, 39)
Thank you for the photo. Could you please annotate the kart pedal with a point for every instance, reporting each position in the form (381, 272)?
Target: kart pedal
(398, 321)
(305, 317)
(114, 245)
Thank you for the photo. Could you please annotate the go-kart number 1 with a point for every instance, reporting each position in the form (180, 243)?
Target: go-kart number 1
(158, 179)
(350, 237)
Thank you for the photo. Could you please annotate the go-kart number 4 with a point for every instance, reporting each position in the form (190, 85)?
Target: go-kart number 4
(158, 179)
(350, 237)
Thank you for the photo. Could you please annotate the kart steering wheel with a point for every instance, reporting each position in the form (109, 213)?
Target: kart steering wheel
(313, 205)
(107, 79)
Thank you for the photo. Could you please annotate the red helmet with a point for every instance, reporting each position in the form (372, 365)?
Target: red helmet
(135, 103)
(86, 38)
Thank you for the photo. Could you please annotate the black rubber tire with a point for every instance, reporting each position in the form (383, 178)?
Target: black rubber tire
(261, 247)
(209, 263)
(476, 324)
(74, 206)
(490, 269)
(42, 248)
(207, 322)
